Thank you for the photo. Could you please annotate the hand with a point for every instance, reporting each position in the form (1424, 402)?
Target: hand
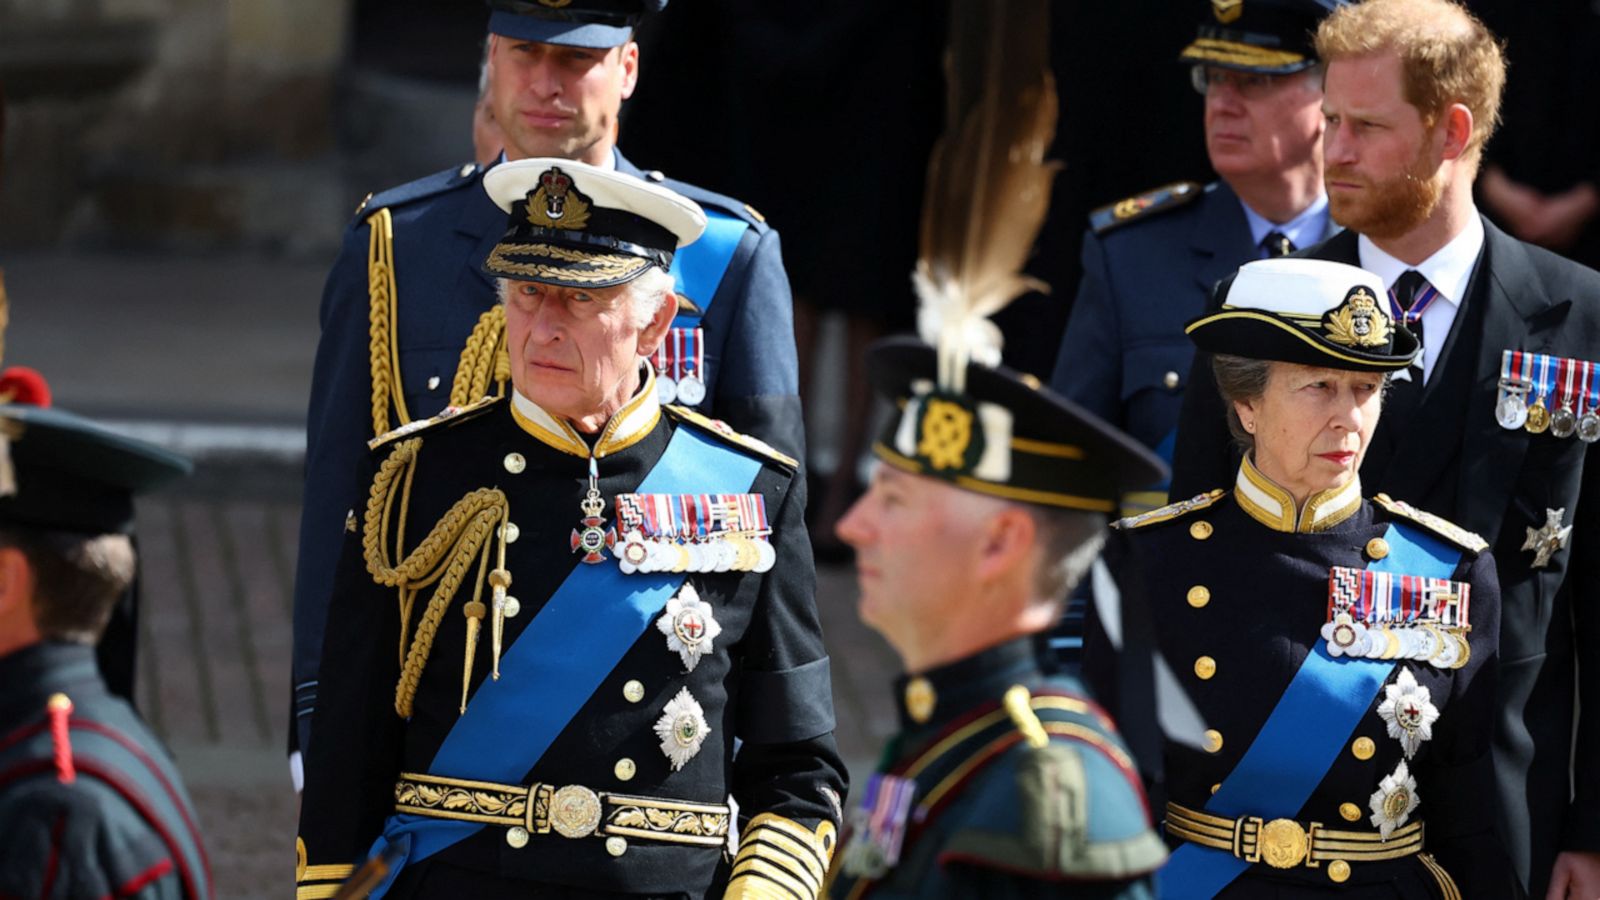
(1512, 201)
(1576, 876)
(1561, 217)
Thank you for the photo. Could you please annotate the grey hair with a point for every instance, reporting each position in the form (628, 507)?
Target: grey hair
(646, 293)
(1240, 380)
(1070, 540)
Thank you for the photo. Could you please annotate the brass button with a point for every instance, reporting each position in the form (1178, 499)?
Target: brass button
(515, 463)
(1205, 667)
(1170, 380)
(616, 846)
(920, 699)
(633, 691)
(510, 532)
(1350, 812)
(512, 607)
(1199, 596)
(1213, 740)
(1363, 748)
(433, 383)
(1377, 548)
(1215, 788)
(1339, 871)
(625, 769)
(517, 837)
(1200, 530)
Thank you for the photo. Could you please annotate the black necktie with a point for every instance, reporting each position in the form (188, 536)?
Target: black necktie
(1276, 243)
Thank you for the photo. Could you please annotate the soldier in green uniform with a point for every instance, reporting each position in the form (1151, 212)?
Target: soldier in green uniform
(1006, 780)
(90, 803)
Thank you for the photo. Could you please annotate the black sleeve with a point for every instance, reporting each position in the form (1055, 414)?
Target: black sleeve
(1581, 830)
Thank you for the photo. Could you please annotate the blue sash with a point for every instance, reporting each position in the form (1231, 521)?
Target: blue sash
(563, 655)
(1300, 741)
(697, 269)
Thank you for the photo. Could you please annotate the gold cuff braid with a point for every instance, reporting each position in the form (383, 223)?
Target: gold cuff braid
(779, 857)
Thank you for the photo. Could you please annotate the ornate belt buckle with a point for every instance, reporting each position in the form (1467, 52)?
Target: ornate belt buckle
(1283, 844)
(574, 811)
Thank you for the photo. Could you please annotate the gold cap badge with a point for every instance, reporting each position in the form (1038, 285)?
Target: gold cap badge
(1358, 321)
(1227, 10)
(555, 203)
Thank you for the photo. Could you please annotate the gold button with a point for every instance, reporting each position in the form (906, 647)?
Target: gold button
(1350, 812)
(633, 691)
(1199, 596)
(616, 846)
(625, 769)
(510, 532)
(1213, 740)
(1200, 530)
(1339, 871)
(1215, 788)
(513, 606)
(1377, 548)
(515, 463)
(920, 698)
(1170, 380)
(1205, 667)
(1363, 748)
(517, 837)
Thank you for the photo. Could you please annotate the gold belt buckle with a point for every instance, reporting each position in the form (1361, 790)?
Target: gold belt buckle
(1282, 844)
(574, 811)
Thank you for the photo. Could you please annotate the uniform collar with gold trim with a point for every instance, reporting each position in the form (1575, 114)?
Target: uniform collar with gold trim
(1274, 507)
(627, 426)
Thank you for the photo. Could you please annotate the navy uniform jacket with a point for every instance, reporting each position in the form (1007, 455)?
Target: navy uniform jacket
(444, 227)
(766, 683)
(1451, 457)
(1237, 605)
(996, 817)
(123, 826)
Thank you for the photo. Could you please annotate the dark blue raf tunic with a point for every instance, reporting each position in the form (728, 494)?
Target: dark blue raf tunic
(996, 816)
(1237, 585)
(764, 683)
(120, 824)
(443, 228)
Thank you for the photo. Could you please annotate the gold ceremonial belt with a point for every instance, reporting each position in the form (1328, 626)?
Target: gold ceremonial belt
(1285, 843)
(572, 810)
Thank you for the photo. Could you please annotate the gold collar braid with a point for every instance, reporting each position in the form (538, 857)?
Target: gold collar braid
(1275, 508)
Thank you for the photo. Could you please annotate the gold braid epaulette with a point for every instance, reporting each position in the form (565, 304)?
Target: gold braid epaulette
(382, 317)
(483, 359)
(1170, 511)
(442, 557)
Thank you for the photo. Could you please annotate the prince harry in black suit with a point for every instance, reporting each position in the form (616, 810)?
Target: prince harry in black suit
(1412, 94)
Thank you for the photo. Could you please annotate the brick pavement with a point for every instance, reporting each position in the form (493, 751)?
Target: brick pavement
(214, 663)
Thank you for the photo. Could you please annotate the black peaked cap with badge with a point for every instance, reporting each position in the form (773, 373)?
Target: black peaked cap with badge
(1003, 434)
(69, 474)
(595, 24)
(1270, 36)
(576, 225)
(1309, 311)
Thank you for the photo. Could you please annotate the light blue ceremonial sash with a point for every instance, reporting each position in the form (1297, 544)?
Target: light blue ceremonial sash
(697, 269)
(1302, 738)
(563, 655)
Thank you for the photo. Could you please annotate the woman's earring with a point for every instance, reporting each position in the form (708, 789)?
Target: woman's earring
(1250, 427)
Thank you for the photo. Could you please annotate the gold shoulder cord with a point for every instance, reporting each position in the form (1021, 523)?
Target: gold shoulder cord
(442, 557)
(483, 359)
(383, 320)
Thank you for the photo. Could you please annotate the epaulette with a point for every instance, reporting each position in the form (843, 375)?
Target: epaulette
(725, 431)
(1446, 529)
(427, 186)
(704, 197)
(450, 415)
(1170, 511)
(1141, 206)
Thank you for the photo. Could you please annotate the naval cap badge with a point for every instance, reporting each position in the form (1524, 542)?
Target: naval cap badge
(689, 626)
(1358, 321)
(557, 203)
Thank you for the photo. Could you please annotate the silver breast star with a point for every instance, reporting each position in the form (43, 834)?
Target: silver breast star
(1544, 542)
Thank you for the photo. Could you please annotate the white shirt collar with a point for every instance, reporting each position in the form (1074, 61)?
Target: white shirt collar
(1448, 269)
(1305, 229)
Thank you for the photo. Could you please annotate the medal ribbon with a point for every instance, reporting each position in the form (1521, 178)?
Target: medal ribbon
(564, 654)
(1565, 373)
(1593, 393)
(1302, 738)
(1545, 381)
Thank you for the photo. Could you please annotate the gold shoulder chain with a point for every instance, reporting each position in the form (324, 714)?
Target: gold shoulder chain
(383, 347)
(483, 359)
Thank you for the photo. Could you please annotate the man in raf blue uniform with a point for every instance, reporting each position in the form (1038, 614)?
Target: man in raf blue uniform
(560, 611)
(1150, 260)
(90, 803)
(1006, 780)
(410, 324)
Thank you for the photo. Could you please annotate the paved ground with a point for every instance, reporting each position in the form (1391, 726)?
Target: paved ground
(213, 355)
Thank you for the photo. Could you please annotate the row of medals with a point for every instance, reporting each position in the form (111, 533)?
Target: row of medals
(1443, 646)
(716, 553)
(1513, 412)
